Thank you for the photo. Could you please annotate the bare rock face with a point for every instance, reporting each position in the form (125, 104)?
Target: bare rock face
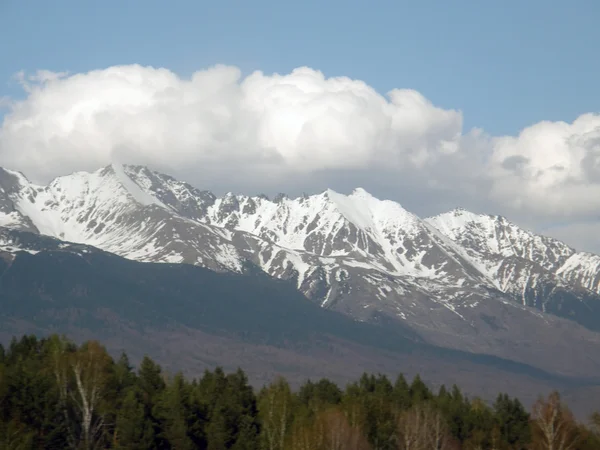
(474, 282)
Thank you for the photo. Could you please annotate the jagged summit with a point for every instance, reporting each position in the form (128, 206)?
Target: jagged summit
(356, 253)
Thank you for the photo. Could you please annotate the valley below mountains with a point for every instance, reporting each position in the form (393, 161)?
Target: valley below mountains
(335, 283)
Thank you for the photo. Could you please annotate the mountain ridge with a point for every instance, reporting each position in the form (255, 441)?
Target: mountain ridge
(459, 278)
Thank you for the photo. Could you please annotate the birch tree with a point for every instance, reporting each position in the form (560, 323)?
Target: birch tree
(330, 430)
(82, 377)
(339, 433)
(554, 427)
(423, 428)
(275, 409)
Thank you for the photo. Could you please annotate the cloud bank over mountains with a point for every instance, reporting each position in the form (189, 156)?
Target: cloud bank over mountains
(284, 131)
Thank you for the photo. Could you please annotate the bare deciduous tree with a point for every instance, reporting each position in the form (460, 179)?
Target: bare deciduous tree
(303, 437)
(553, 425)
(423, 428)
(276, 412)
(330, 430)
(340, 435)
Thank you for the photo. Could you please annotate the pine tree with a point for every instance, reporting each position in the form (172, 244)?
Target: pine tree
(513, 422)
(133, 429)
(171, 410)
(419, 392)
(123, 373)
(401, 394)
(320, 395)
(151, 380)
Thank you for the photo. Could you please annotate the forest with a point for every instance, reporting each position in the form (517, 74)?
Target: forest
(55, 394)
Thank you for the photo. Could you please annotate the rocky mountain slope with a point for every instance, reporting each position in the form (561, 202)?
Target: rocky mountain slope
(461, 280)
(190, 318)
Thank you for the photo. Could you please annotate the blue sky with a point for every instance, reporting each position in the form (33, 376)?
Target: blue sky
(506, 64)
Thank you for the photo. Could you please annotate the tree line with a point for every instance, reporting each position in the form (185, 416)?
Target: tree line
(57, 395)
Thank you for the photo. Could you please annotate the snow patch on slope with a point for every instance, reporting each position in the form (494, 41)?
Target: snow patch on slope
(11, 219)
(139, 195)
(356, 208)
(38, 208)
(583, 268)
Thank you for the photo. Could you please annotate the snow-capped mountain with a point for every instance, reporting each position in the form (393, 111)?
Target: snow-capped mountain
(461, 278)
(538, 271)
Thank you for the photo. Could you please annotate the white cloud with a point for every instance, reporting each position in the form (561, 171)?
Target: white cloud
(550, 169)
(278, 130)
(299, 122)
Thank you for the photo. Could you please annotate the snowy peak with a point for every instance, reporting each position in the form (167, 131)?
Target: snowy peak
(114, 209)
(496, 236)
(327, 212)
(76, 207)
(367, 231)
(360, 228)
(369, 213)
(170, 193)
(139, 194)
(582, 269)
(357, 226)
(11, 181)
(118, 183)
(534, 270)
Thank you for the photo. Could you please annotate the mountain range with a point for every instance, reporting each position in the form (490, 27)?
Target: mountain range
(459, 280)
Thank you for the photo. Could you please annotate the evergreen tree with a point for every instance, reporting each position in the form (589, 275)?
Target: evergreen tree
(513, 421)
(401, 394)
(479, 426)
(198, 416)
(151, 380)
(419, 392)
(171, 410)
(55, 394)
(151, 385)
(372, 396)
(318, 396)
(124, 376)
(133, 429)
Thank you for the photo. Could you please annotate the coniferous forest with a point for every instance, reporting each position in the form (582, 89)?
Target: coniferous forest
(57, 395)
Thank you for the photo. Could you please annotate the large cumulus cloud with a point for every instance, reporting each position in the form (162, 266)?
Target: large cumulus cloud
(298, 122)
(550, 168)
(296, 129)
